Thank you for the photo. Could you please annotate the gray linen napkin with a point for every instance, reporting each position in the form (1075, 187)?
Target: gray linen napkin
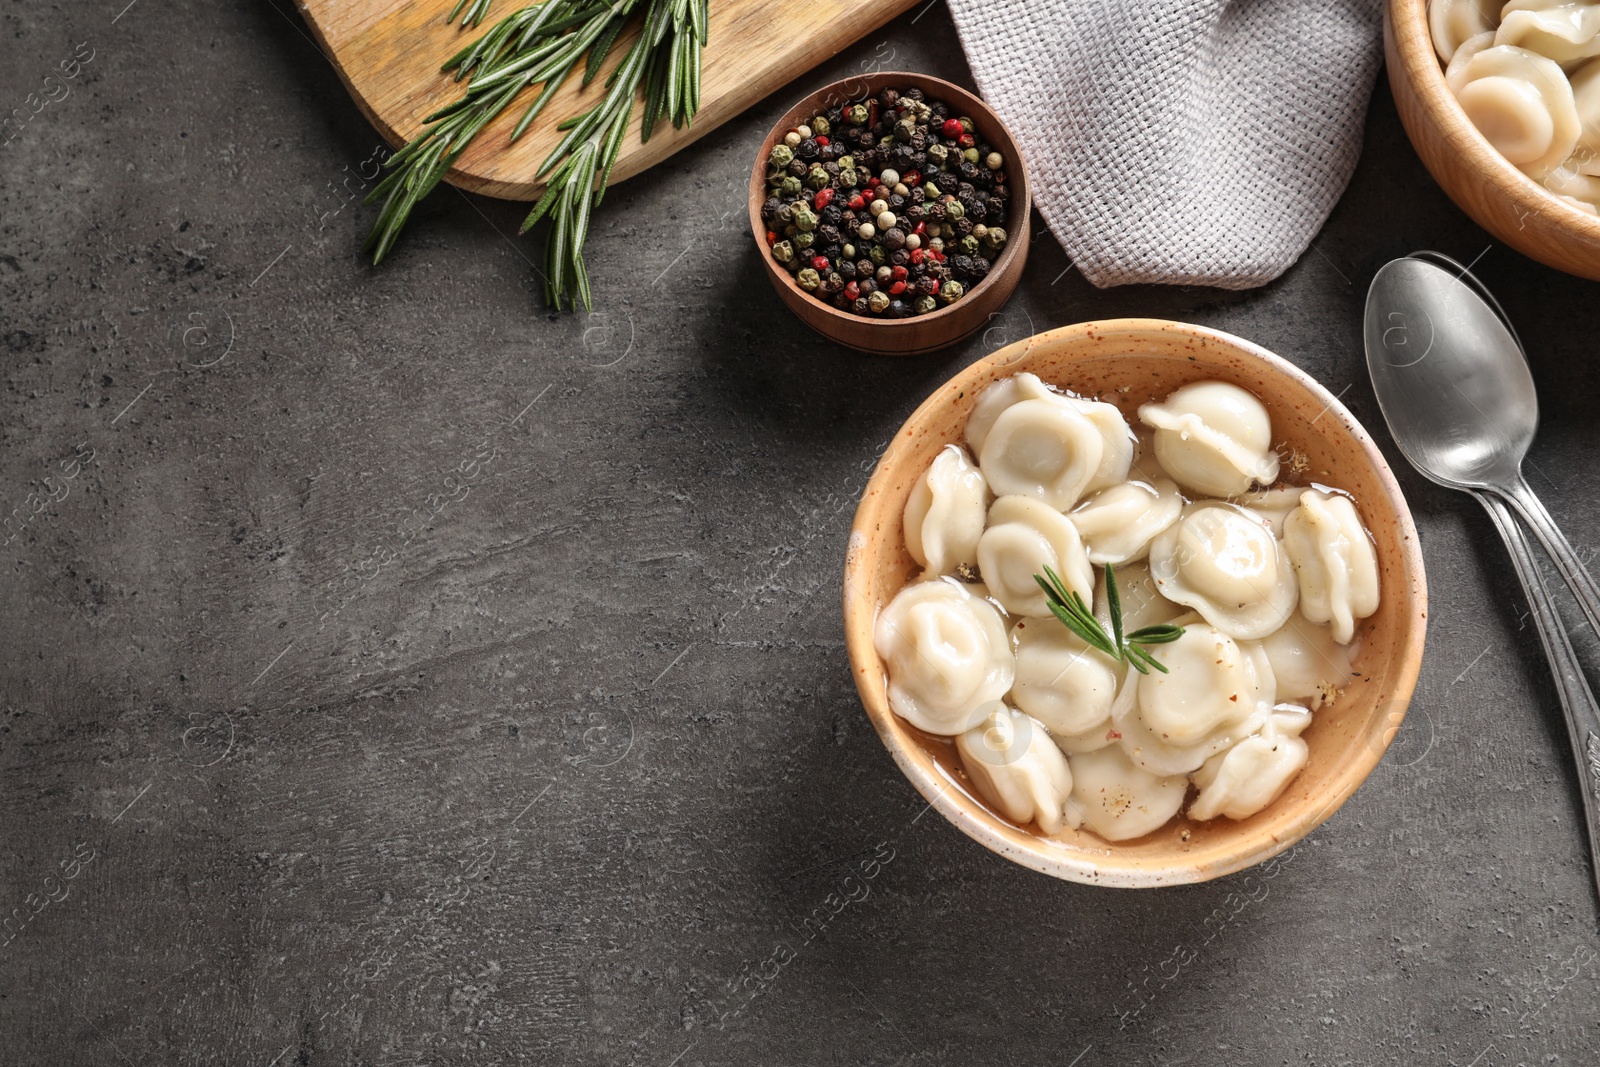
(1188, 142)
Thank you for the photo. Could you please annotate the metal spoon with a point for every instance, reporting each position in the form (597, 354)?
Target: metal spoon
(1439, 453)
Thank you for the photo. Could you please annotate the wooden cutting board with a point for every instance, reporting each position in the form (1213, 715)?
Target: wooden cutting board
(388, 52)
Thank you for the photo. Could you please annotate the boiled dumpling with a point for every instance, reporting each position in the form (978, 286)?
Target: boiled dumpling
(1453, 21)
(1586, 98)
(946, 653)
(1272, 505)
(1560, 30)
(1063, 682)
(945, 515)
(1224, 562)
(1116, 439)
(1214, 692)
(1024, 537)
(1521, 102)
(1120, 801)
(1142, 603)
(1045, 449)
(1308, 665)
(1582, 191)
(1118, 523)
(1019, 770)
(1214, 438)
(1252, 774)
(1334, 561)
(999, 396)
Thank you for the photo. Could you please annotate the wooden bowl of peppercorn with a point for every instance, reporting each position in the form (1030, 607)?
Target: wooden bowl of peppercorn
(935, 290)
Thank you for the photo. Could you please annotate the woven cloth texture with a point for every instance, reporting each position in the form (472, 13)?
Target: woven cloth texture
(1185, 142)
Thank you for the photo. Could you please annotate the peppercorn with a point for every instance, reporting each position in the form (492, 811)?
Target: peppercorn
(817, 178)
(847, 270)
(841, 302)
(809, 279)
(995, 238)
(804, 239)
(952, 208)
(925, 304)
(927, 286)
(804, 217)
(859, 305)
(900, 257)
(963, 226)
(865, 266)
(951, 291)
(790, 187)
(783, 252)
(961, 263)
(849, 251)
(894, 238)
(877, 254)
(878, 302)
(865, 286)
(858, 114)
(829, 234)
(833, 283)
(980, 266)
(821, 127)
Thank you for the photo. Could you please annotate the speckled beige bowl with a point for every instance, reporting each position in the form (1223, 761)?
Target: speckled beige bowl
(1127, 362)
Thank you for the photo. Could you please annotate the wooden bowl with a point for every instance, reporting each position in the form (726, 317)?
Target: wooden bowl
(1498, 196)
(1127, 362)
(918, 333)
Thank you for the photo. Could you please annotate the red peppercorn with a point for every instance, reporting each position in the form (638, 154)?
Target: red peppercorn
(952, 128)
(824, 198)
(897, 288)
(921, 227)
(819, 262)
(898, 273)
(967, 140)
(822, 142)
(872, 183)
(917, 256)
(852, 290)
(912, 179)
(856, 203)
(772, 238)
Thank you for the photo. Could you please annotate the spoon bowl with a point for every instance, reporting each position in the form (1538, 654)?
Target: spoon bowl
(1450, 376)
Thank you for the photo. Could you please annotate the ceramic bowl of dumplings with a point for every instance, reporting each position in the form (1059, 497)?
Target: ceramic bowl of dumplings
(1499, 197)
(1129, 362)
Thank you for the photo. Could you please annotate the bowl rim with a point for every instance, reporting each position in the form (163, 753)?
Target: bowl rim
(1021, 207)
(1023, 845)
(1413, 40)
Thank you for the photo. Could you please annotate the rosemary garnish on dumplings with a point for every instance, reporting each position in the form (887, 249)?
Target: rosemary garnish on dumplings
(1069, 607)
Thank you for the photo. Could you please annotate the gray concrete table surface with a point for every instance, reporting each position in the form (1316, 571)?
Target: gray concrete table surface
(395, 673)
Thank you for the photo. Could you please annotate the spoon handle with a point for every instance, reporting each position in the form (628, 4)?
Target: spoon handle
(1549, 534)
(1577, 700)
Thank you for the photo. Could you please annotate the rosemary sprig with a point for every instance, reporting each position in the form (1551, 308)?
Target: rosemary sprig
(540, 45)
(1068, 606)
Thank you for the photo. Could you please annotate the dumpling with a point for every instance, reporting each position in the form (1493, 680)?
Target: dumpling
(1118, 522)
(946, 653)
(1214, 438)
(1062, 682)
(1453, 21)
(999, 396)
(1272, 505)
(1215, 692)
(1308, 665)
(1115, 437)
(1521, 102)
(1252, 774)
(1455, 75)
(1024, 537)
(1142, 604)
(1586, 98)
(1019, 770)
(1120, 801)
(1560, 30)
(1224, 562)
(1334, 561)
(945, 515)
(1046, 449)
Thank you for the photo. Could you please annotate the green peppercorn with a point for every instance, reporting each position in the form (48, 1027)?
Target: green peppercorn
(821, 127)
(969, 245)
(966, 124)
(804, 217)
(782, 155)
(857, 115)
(970, 155)
(877, 254)
(951, 291)
(848, 178)
(783, 252)
(804, 239)
(878, 302)
(931, 189)
(809, 279)
(817, 177)
(995, 238)
(790, 186)
(925, 304)
(953, 209)
(938, 153)
(846, 162)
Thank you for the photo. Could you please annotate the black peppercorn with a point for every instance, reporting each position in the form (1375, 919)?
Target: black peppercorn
(927, 286)
(828, 235)
(902, 155)
(961, 264)
(833, 283)
(832, 215)
(894, 239)
(977, 210)
(935, 210)
(968, 171)
(980, 266)
(963, 226)
(859, 305)
(919, 195)
(890, 97)
(900, 256)
(865, 283)
(770, 209)
(847, 270)
(785, 215)
(866, 267)
(841, 301)
(996, 209)
(808, 149)
(797, 169)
